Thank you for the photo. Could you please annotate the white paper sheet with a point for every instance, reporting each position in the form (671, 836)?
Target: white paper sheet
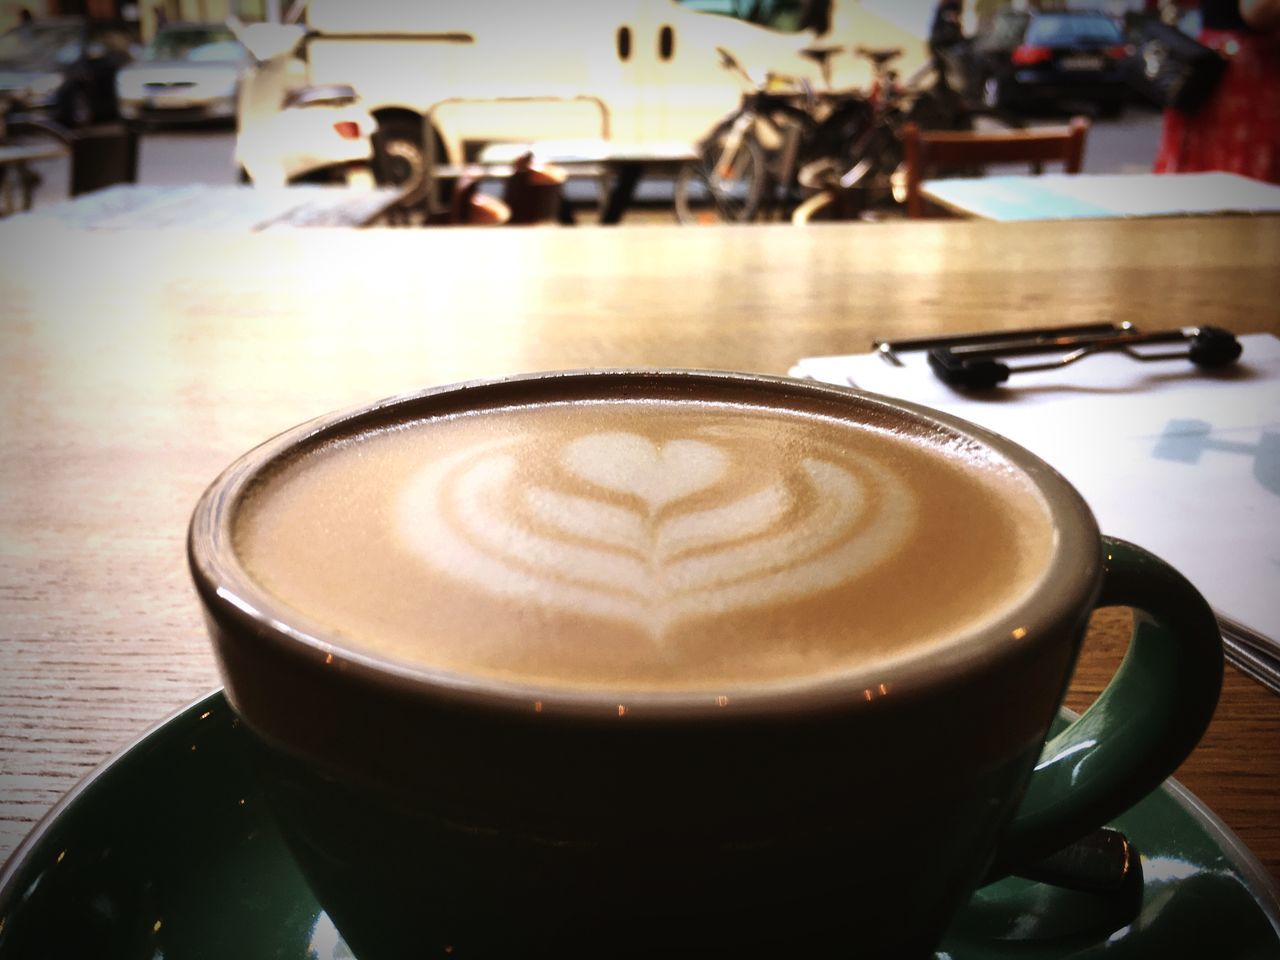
(1058, 196)
(1181, 461)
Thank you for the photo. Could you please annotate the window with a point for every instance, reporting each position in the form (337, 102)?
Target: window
(1006, 32)
(249, 10)
(723, 8)
(198, 44)
(41, 44)
(114, 39)
(785, 16)
(1049, 31)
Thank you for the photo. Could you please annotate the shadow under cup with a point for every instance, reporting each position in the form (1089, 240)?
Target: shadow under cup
(437, 813)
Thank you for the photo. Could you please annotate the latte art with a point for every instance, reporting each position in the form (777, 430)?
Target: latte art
(639, 546)
(652, 533)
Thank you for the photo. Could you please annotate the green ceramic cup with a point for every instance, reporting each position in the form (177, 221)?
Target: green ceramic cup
(444, 814)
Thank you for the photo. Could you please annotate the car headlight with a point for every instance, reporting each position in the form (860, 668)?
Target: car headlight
(44, 85)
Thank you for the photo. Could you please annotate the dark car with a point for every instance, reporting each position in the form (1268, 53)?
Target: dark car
(65, 67)
(1043, 58)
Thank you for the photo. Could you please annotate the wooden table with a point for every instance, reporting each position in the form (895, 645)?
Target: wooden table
(22, 153)
(622, 163)
(134, 366)
(217, 207)
(1059, 196)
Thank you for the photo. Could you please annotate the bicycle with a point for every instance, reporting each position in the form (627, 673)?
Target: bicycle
(869, 179)
(750, 160)
(863, 178)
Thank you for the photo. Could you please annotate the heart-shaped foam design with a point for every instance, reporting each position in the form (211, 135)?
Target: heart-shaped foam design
(631, 464)
(495, 517)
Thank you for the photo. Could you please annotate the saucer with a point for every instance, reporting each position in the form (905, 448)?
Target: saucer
(167, 851)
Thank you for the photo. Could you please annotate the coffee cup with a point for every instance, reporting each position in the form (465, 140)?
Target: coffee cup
(672, 663)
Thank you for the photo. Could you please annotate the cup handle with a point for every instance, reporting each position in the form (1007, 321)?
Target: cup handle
(1142, 726)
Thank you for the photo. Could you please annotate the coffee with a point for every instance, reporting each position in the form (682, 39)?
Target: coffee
(645, 545)
(716, 664)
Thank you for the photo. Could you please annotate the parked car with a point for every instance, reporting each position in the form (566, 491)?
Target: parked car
(187, 72)
(1031, 58)
(66, 67)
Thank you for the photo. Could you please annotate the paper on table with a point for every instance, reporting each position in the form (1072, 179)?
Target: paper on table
(1159, 195)
(1057, 196)
(1182, 461)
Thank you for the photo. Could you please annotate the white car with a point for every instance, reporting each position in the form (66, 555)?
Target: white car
(188, 71)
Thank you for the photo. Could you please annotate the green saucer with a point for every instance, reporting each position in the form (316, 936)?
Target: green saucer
(166, 851)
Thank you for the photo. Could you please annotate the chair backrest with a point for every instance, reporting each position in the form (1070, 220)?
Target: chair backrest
(534, 191)
(37, 131)
(925, 149)
(468, 207)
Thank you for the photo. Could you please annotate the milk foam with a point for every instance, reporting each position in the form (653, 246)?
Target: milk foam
(769, 533)
(651, 545)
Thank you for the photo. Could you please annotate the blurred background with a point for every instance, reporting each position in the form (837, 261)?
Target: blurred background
(275, 92)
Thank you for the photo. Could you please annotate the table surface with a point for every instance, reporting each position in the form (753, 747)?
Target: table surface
(135, 366)
(593, 150)
(208, 207)
(1060, 196)
(27, 152)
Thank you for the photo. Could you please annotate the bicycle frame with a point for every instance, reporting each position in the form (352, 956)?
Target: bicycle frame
(756, 158)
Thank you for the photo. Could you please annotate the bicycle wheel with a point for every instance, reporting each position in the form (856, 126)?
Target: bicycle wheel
(712, 191)
(874, 176)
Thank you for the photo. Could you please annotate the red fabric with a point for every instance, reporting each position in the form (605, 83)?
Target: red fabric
(1238, 130)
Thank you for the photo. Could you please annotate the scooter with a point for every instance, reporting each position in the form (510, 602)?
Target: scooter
(290, 131)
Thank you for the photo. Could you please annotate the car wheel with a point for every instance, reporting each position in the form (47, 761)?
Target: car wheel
(993, 93)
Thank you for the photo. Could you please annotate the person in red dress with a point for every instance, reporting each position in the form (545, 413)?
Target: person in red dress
(1238, 129)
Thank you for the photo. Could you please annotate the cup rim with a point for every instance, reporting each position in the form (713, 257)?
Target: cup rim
(1061, 598)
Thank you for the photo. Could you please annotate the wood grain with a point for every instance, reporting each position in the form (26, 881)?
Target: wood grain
(134, 366)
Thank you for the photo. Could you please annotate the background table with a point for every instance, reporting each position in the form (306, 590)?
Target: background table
(19, 154)
(619, 164)
(205, 207)
(135, 365)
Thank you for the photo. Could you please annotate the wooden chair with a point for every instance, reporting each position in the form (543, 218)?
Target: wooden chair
(468, 207)
(82, 161)
(948, 148)
(534, 191)
(532, 194)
